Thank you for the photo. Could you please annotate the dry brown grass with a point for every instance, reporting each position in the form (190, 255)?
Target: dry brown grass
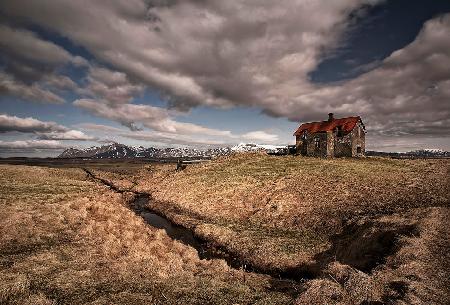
(67, 240)
(282, 212)
(279, 212)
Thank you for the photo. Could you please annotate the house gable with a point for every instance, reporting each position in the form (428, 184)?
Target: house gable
(343, 137)
(345, 124)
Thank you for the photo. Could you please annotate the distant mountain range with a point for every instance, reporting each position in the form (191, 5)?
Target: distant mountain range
(120, 151)
(422, 153)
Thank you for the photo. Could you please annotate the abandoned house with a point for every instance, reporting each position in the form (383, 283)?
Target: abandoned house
(343, 137)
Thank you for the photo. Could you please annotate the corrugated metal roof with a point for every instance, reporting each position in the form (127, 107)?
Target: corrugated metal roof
(346, 124)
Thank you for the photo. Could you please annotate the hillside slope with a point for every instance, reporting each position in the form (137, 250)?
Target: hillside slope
(297, 215)
(68, 240)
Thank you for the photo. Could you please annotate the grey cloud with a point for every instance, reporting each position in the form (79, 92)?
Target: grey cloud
(176, 139)
(98, 127)
(258, 136)
(27, 125)
(230, 55)
(407, 94)
(26, 45)
(30, 66)
(44, 130)
(251, 53)
(172, 139)
(28, 57)
(151, 117)
(67, 135)
(112, 86)
(33, 93)
(30, 144)
(60, 82)
(404, 143)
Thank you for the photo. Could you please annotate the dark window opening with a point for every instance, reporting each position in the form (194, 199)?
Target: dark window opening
(317, 142)
(303, 137)
(358, 150)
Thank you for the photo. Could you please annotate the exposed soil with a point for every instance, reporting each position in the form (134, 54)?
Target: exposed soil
(363, 245)
(379, 235)
(288, 281)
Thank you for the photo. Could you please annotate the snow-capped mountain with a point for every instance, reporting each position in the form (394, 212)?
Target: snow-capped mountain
(252, 147)
(114, 150)
(429, 153)
(421, 153)
(118, 151)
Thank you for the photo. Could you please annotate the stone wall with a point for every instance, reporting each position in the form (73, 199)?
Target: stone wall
(314, 150)
(359, 140)
(343, 145)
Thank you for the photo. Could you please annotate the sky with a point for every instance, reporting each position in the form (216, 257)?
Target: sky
(208, 73)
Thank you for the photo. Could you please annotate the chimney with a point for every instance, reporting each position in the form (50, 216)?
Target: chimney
(330, 117)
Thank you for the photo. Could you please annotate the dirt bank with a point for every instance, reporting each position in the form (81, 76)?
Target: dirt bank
(298, 215)
(68, 240)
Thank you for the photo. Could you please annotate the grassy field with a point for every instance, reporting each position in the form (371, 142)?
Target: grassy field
(67, 240)
(295, 214)
(360, 230)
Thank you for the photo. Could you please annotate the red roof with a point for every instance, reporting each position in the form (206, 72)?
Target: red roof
(346, 124)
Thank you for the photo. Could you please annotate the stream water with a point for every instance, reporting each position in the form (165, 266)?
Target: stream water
(140, 205)
(287, 282)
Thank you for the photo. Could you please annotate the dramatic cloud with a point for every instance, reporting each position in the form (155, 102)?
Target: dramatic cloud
(68, 135)
(44, 130)
(30, 144)
(30, 65)
(235, 53)
(151, 117)
(111, 86)
(222, 54)
(26, 45)
(167, 138)
(34, 93)
(27, 125)
(407, 94)
(98, 127)
(171, 139)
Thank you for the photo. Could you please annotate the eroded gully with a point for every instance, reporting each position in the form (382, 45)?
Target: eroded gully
(285, 281)
(362, 246)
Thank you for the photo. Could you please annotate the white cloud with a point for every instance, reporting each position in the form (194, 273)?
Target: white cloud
(30, 144)
(243, 53)
(234, 53)
(67, 135)
(98, 127)
(155, 118)
(28, 125)
(44, 130)
(260, 137)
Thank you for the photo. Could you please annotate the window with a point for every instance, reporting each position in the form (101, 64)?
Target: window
(339, 132)
(316, 142)
(304, 135)
(358, 150)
